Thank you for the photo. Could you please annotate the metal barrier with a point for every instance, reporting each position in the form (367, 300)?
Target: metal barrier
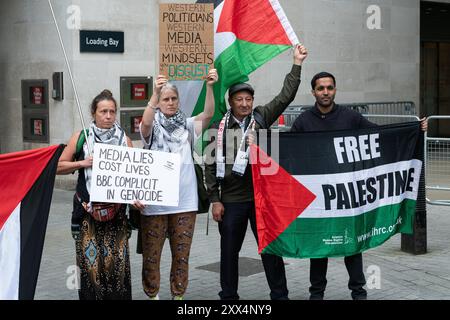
(367, 108)
(386, 108)
(437, 165)
(382, 119)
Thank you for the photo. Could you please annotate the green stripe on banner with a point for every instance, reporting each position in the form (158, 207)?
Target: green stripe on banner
(337, 237)
(234, 65)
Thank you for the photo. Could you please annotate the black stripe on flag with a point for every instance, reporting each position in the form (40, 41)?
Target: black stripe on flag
(216, 2)
(34, 212)
(315, 152)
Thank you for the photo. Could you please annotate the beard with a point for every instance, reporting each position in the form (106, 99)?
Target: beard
(325, 104)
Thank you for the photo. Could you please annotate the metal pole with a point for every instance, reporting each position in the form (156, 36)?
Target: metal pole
(207, 223)
(71, 77)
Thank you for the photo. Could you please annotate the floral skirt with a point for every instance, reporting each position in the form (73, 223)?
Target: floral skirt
(103, 258)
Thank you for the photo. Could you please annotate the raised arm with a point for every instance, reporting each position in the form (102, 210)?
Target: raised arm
(152, 105)
(300, 54)
(202, 119)
(276, 107)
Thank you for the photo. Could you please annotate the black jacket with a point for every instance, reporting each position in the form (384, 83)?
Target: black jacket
(234, 188)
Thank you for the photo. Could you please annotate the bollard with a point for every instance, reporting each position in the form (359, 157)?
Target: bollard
(281, 121)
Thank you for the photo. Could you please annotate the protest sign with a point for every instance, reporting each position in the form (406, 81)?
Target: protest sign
(186, 40)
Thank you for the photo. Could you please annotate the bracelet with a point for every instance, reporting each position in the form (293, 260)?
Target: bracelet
(151, 106)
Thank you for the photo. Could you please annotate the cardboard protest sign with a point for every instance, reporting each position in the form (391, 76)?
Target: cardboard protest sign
(186, 40)
(123, 175)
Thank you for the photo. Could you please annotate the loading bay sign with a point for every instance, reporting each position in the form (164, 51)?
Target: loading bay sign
(101, 41)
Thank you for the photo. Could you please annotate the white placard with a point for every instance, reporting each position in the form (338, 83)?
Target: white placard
(123, 175)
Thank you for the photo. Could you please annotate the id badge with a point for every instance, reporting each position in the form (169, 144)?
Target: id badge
(240, 163)
(241, 159)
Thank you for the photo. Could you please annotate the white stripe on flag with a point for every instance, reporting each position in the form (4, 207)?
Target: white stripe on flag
(222, 40)
(314, 183)
(189, 92)
(10, 257)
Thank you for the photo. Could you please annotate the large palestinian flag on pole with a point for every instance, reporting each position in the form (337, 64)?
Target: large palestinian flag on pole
(336, 193)
(248, 33)
(26, 187)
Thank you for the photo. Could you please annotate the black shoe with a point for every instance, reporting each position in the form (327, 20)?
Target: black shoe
(359, 294)
(316, 297)
(228, 297)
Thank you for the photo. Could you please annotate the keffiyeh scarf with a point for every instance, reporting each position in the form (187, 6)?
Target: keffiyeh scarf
(114, 136)
(169, 134)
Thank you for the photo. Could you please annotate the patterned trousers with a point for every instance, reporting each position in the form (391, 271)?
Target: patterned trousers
(179, 228)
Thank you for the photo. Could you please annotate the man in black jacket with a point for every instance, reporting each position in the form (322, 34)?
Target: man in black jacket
(328, 116)
(229, 179)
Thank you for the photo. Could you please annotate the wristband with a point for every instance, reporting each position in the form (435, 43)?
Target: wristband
(152, 106)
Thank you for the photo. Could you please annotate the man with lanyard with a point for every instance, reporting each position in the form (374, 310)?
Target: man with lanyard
(229, 179)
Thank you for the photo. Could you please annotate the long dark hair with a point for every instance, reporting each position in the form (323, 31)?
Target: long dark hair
(104, 95)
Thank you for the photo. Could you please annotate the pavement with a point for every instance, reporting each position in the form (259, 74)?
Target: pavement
(391, 273)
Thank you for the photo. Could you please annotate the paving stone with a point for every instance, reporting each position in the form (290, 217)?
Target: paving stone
(403, 276)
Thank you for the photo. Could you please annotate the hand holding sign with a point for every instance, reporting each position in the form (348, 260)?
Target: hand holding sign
(160, 81)
(86, 163)
(139, 205)
(212, 78)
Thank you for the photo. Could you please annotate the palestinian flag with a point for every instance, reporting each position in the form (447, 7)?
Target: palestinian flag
(336, 193)
(248, 33)
(26, 187)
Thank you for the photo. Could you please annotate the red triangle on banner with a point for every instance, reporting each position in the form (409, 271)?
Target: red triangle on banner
(252, 21)
(279, 197)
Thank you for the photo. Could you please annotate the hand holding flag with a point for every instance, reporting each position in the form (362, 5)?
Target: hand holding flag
(300, 54)
(212, 77)
(251, 136)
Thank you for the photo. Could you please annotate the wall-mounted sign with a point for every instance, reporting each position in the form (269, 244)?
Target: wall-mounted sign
(139, 91)
(129, 121)
(101, 41)
(37, 127)
(35, 110)
(186, 40)
(37, 95)
(135, 91)
(135, 121)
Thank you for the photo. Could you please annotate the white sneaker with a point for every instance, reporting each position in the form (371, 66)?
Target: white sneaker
(155, 297)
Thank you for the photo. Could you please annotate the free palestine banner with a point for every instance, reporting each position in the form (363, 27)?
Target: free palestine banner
(336, 193)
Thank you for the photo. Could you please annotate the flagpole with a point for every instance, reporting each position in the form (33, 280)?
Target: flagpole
(71, 77)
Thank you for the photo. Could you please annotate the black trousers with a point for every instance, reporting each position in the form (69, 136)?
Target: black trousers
(232, 230)
(318, 276)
